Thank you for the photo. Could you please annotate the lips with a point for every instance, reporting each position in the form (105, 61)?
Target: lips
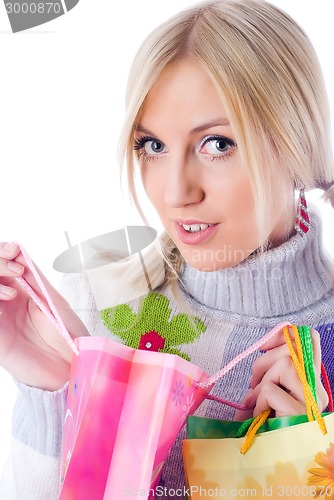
(193, 232)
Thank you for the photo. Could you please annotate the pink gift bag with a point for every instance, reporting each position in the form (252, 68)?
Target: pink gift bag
(125, 408)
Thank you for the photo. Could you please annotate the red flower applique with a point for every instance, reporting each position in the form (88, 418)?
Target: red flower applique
(151, 341)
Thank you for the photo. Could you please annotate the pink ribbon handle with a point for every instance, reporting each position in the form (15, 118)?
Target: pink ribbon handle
(53, 315)
(214, 378)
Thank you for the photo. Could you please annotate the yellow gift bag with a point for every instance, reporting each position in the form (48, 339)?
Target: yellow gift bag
(291, 462)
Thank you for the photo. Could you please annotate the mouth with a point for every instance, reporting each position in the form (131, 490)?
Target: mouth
(193, 232)
(195, 228)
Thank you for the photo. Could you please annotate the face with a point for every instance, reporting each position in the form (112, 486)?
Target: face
(191, 170)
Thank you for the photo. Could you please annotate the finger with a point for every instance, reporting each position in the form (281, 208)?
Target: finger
(71, 321)
(9, 250)
(280, 340)
(284, 375)
(242, 415)
(265, 362)
(245, 414)
(272, 396)
(7, 292)
(18, 267)
(250, 402)
(10, 267)
(9, 270)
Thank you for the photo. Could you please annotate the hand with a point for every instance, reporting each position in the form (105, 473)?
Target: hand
(31, 348)
(275, 383)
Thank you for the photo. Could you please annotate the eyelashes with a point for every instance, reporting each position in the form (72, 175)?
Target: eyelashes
(141, 142)
(219, 144)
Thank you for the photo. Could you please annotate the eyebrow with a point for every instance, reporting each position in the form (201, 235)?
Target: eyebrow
(223, 122)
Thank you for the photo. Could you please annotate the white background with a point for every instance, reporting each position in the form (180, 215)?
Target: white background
(61, 99)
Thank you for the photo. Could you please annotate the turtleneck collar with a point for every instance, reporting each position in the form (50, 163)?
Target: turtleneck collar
(281, 281)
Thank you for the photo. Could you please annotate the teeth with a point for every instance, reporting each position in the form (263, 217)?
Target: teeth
(195, 228)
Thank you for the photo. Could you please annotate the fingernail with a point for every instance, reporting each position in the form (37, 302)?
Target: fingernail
(10, 247)
(15, 267)
(7, 291)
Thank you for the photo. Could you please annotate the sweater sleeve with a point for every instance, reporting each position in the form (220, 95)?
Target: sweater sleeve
(32, 471)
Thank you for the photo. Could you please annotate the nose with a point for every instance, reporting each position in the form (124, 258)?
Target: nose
(182, 184)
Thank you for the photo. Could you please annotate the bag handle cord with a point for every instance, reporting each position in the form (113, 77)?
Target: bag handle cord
(51, 314)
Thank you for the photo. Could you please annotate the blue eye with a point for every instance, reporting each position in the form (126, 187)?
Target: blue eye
(217, 145)
(156, 146)
(149, 146)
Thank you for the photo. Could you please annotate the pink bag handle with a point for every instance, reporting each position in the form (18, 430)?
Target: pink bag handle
(52, 315)
(214, 378)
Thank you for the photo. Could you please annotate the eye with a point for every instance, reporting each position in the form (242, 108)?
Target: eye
(218, 147)
(149, 147)
(154, 146)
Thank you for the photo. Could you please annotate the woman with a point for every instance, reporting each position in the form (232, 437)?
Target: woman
(228, 121)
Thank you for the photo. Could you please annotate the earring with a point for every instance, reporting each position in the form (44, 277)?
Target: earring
(302, 224)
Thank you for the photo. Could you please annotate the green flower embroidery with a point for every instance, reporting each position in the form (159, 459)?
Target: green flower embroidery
(152, 328)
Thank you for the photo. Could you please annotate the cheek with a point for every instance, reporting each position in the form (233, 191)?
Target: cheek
(152, 184)
(244, 201)
(146, 179)
(235, 195)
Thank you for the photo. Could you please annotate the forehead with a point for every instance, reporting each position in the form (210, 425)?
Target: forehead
(185, 94)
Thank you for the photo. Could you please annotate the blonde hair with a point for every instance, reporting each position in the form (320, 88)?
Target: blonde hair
(270, 81)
